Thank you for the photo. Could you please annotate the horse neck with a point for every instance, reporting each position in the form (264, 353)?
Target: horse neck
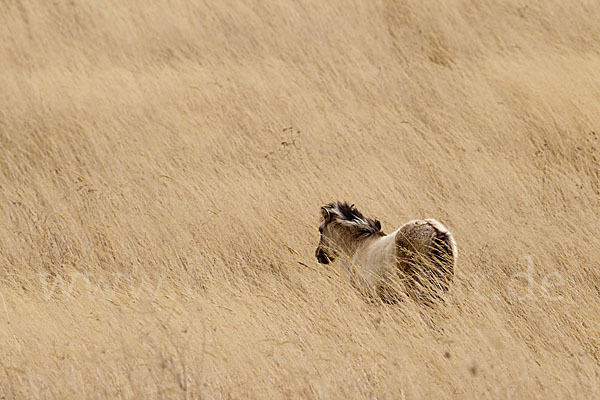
(377, 247)
(351, 246)
(369, 242)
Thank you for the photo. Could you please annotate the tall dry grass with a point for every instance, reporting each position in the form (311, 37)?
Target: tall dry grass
(162, 165)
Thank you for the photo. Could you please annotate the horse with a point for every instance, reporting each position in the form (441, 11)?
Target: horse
(421, 253)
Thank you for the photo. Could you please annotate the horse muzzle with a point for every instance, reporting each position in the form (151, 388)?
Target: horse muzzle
(323, 257)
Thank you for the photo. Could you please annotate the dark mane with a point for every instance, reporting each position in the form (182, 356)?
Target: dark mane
(347, 214)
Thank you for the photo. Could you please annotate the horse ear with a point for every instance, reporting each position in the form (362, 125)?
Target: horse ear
(326, 214)
(378, 225)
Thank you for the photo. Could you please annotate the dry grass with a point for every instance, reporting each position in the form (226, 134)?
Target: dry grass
(161, 172)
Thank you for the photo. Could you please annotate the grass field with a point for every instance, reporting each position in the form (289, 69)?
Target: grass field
(162, 165)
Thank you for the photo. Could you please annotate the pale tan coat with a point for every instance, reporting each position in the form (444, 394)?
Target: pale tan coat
(379, 258)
